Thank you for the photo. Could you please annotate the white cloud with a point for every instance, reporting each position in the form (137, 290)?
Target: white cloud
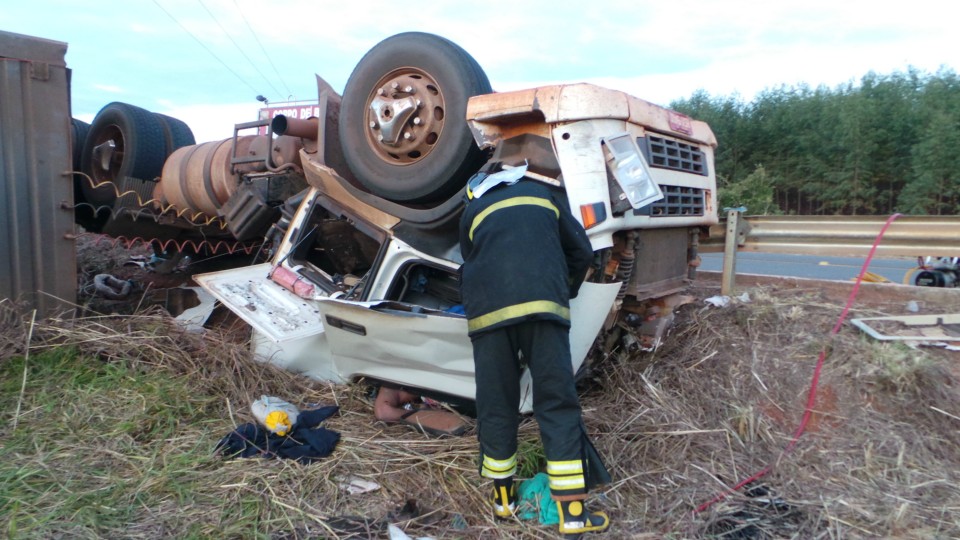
(108, 88)
(213, 122)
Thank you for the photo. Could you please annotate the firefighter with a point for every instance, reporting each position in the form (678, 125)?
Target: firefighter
(525, 256)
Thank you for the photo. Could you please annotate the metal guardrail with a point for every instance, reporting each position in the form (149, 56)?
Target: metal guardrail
(907, 236)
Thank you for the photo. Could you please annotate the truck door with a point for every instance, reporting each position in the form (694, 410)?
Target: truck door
(423, 348)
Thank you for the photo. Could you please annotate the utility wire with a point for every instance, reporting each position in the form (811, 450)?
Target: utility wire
(244, 81)
(237, 45)
(267, 56)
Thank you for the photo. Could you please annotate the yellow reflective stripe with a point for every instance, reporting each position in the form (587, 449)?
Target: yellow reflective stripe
(499, 468)
(565, 467)
(487, 473)
(567, 482)
(515, 201)
(500, 465)
(515, 311)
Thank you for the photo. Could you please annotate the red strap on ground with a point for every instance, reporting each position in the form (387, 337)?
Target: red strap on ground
(815, 380)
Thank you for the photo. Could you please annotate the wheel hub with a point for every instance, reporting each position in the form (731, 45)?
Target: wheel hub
(405, 116)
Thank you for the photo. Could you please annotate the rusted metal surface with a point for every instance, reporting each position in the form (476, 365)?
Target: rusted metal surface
(283, 125)
(405, 116)
(37, 257)
(843, 235)
(574, 118)
(490, 115)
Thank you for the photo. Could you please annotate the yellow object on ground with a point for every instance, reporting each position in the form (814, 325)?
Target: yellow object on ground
(874, 278)
(275, 414)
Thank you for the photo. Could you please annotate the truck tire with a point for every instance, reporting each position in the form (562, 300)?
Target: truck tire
(176, 133)
(403, 118)
(83, 214)
(138, 151)
(79, 137)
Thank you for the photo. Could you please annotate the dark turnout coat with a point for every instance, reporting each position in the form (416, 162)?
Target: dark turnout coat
(525, 256)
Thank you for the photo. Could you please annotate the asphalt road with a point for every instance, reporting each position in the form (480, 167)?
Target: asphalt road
(809, 266)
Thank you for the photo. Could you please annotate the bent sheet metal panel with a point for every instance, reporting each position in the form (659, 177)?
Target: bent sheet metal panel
(944, 327)
(431, 350)
(38, 264)
(267, 307)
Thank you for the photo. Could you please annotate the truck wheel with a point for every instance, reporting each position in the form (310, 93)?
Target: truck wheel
(80, 131)
(176, 133)
(403, 118)
(123, 141)
(83, 214)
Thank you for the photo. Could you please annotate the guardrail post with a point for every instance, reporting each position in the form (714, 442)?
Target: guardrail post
(734, 237)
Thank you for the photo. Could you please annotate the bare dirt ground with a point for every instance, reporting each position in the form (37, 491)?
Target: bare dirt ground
(717, 403)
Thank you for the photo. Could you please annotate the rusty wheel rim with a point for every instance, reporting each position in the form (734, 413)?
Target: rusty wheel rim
(404, 117)
(106, 168)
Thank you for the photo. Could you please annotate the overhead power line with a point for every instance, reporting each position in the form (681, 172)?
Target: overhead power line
(237, 45)
(244, 81)
(267, 56)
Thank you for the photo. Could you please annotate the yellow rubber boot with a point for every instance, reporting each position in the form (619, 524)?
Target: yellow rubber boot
(576, 520)
(504, 498)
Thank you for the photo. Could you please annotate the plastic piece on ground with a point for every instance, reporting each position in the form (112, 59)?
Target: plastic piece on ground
(355, 485)
(275, 414)
(434, 422)
(718, 301)
(397, 534)
(534, 500)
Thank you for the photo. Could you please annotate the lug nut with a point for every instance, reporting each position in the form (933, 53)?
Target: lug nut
(408, 89)
(381, 92)
(408, 136)
(416, 121)
(373, 125)
(395, 85)
(380, 138)
(419, 104)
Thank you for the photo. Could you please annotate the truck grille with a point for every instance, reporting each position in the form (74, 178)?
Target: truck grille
(672, 154)
(676, 201)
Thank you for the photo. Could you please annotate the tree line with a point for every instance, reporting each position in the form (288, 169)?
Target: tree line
(890, 143)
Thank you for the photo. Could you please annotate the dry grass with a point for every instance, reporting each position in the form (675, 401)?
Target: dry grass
(127, 452)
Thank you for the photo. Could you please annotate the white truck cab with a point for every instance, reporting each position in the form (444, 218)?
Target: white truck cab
(364, 283)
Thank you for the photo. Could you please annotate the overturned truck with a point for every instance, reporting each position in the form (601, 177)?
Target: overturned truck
(359, 208)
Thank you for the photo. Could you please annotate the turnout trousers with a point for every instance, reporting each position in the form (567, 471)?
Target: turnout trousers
(500, 355)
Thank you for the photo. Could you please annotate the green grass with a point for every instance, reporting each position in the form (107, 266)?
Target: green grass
(104, 449)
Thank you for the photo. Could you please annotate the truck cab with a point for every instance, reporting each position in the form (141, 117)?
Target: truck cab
(362, 287)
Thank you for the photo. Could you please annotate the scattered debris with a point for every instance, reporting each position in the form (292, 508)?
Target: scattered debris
(397, 534)
(305, 443)
(724, 301)
(275, 414)
(110, 287)
(355, 485)
(912, 327)
(534, 500)
(193, 318)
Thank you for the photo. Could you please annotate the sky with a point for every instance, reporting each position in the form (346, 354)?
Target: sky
(206, 61)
